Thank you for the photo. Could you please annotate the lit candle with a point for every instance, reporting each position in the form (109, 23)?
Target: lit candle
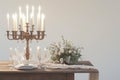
(31, 18)
(38, 22)
(42, 22)
(20, 16)
(39, 9)
(8, 17)
(15, 21)
(27, 7)
(32, 15)
(23, 23)
(13, 17)
(38, 18)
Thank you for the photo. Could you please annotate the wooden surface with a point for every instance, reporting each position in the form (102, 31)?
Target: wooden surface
(7, 73)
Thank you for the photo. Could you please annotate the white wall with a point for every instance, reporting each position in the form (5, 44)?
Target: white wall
(93, 24)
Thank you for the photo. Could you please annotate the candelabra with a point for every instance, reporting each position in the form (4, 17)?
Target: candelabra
(26, 35)
(26, 27)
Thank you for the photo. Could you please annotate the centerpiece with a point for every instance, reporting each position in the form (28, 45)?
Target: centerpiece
(65, 52)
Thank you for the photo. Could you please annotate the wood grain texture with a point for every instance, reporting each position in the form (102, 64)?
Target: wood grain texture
(30, 76)
(70, 76)
(93, 76)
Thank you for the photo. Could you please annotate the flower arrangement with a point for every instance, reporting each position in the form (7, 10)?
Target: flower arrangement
(65, 52)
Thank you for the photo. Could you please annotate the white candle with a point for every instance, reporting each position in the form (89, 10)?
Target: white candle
(32, 15)
(8, 17)
(13, 17)
(42, 22)
(38, 22)
(31, 18)
(39, 9)
(27, 8)
(23, 23)
(38, 18)
(20, 16)
(15, 21)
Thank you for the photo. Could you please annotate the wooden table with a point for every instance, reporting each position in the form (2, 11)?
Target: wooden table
(6, 73)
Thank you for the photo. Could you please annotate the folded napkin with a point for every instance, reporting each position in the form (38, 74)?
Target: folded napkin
(64, 66)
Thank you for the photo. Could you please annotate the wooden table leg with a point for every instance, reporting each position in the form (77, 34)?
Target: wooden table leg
(94, 76)
(70, 76)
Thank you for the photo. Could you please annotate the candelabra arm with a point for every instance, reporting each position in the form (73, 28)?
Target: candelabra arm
(31, 35)
(21, 36)
(8, 35)
(40, 35)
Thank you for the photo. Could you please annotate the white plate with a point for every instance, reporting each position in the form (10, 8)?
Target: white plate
(25, 67)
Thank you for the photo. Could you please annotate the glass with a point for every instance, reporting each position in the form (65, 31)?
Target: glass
(12, 57)
(43, 57)
(46, 56)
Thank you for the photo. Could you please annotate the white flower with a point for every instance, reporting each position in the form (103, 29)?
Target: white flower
(62, 50)
(61, 60)
(70, 51)
(74, 52)
(59, 53)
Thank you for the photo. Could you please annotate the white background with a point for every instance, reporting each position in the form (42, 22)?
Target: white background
(93, 24)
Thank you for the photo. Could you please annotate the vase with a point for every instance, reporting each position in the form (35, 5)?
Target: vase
(70, 60)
